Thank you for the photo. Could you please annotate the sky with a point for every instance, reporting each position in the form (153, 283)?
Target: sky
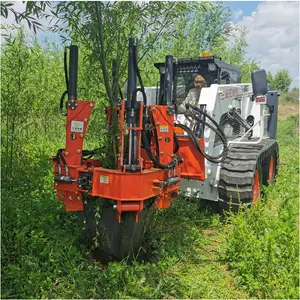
(273, 33)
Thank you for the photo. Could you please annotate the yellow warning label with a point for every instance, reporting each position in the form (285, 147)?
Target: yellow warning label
(104, 179)
(164, 128)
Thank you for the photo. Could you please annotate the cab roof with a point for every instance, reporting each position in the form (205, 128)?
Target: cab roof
(197, 63)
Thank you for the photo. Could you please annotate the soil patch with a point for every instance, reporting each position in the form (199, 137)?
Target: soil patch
(287, 110)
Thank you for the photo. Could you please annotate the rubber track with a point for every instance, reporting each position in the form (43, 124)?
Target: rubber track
(237, 171)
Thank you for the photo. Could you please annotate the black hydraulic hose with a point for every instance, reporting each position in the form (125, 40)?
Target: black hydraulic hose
(59, 156)
(90, 152)
(61, 103)
(65, 93)
(217, 129)
(206, 115)
(150, 115)
(156, 163)
(191, 134)
(221, 136)
(66, 68)
(176, 143)
(142, 88)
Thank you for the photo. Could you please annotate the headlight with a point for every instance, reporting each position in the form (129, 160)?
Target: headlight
(212, 67)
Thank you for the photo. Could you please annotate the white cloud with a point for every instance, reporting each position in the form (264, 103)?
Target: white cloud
(236, 14)
(273, 37)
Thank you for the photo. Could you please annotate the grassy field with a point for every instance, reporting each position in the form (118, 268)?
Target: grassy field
(194, 253)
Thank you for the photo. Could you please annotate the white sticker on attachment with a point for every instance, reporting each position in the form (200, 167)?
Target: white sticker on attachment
(77, 126)
(104, 179)
(164, 128)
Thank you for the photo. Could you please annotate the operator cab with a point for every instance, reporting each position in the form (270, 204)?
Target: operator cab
(211, 68)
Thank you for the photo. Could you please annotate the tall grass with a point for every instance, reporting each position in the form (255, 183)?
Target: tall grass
(43, 254)
(263, 242)
(291, 96)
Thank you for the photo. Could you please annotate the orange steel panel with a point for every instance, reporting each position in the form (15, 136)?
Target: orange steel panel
(193, 166)
(77, 121)
(137, 186)
(164, 124)
(67, 193)
(72, 200)
(76, 126)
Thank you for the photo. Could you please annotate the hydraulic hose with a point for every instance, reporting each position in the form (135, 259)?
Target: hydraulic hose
(176, 143)
(65, 93)
(217, 129)
(156, 163)
(145, 141)
(155, 160)
(207, 116)
(66, 68)
(142, 88)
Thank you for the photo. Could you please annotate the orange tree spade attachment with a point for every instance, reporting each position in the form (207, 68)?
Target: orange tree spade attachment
(148, 170)
(225, 154)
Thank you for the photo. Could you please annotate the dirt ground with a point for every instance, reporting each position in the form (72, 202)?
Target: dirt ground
(286, 110)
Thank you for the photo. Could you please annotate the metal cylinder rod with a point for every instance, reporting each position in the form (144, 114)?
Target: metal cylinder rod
(134, 100)
(168, 86)
(131, 102)
(131, 83)
(130, 145)
(73, 70)
(134, 145)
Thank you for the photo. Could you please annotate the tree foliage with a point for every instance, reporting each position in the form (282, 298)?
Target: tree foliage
(34, 10)
(105, 27)
(281, 81)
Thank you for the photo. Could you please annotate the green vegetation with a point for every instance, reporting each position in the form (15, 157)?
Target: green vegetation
(281, 81)
(188, 252)
(263, 242)
(194, 253)
(291, 96)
